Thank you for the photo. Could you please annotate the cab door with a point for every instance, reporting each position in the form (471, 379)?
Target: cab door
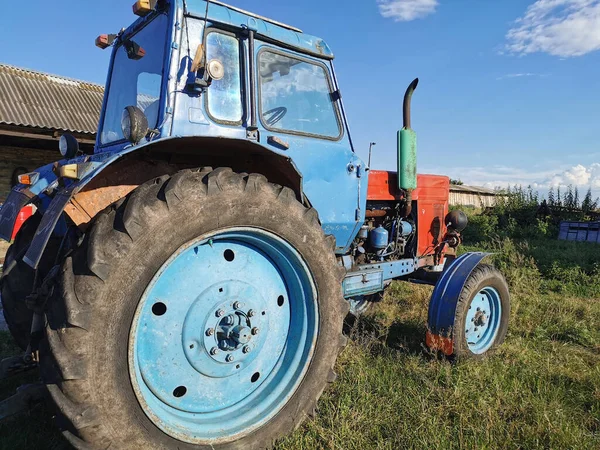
(299, 115)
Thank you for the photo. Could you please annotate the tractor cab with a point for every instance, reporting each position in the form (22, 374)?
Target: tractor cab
(189, 72)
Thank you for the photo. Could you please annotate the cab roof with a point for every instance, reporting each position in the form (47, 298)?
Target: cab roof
(265, 28)
(256, 16)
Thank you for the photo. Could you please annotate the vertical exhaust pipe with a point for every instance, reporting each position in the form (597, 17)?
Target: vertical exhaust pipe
(406, 105)
(407, 150)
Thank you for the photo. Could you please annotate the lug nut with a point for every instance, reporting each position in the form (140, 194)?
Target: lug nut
(251, 313)
(255, 331)
(246, 349)
(214, 351)
(229, 358)
(210, 332)
(237, 305)
(220, 313)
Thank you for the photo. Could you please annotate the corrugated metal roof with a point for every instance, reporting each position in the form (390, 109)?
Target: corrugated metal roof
(53, 102)
(473, 189)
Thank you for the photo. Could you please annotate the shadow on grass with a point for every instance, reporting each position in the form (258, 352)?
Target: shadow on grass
(34, 428)
(408, 337)
(403, 337)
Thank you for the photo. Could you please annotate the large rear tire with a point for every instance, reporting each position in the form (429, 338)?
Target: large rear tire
(129, 323)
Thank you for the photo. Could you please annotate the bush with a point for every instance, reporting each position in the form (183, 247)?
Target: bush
(526, 249)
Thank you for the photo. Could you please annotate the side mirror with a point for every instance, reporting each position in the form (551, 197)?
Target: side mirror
(134, 124)
(133, 50)
(68, 146)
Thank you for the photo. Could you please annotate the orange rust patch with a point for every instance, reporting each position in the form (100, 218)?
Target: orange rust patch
(111, 185)
(441, 343)
(84, 206)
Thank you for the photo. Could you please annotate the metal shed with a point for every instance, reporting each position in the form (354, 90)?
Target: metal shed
(580, 231)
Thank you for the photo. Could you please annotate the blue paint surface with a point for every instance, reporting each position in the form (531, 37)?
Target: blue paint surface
(223, 15)
(199, 372)
(379, 237)
(369, 278)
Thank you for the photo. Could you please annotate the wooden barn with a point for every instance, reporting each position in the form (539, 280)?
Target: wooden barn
(35, 110)
(474, 196)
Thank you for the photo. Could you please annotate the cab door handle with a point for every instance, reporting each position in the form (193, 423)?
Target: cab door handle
(277, 142)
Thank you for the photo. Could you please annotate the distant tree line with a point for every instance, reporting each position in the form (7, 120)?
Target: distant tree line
(522, 212)
(568, 198)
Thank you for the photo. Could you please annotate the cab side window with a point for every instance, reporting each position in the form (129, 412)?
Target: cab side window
(224, 96)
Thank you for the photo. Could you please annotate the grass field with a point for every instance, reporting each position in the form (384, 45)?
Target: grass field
(540, 390)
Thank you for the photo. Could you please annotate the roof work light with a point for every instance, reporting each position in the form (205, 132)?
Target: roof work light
(143, 7)
(105, 40)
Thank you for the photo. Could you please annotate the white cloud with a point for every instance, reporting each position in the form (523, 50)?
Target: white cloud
(406, 10)
(518, 75)
(563, 28)
(504, 176)
(578, 175)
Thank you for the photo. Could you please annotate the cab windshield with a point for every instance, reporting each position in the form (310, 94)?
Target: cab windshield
(136, 82)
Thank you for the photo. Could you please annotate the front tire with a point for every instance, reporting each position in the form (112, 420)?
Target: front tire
(129, 359)
(482, 313)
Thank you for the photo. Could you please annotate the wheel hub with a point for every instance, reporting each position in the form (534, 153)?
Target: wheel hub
(480, 318)
(233, 333)
(230, 346)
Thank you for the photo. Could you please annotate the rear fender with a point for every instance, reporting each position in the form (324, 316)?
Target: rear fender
(442, 305)
(176, 153)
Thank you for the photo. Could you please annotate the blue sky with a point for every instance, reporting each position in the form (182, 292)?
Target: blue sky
(509, 89)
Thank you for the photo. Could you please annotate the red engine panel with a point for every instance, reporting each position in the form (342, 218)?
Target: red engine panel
(431, 198)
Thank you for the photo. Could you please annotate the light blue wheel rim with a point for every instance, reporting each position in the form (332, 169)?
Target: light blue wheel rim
(482, 322)
(203, 398)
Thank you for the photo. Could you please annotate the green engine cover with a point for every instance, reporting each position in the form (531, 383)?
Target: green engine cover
(407, 159)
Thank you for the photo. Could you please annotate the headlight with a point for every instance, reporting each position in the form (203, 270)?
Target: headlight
(126, 124)
(134, 124)
(68, 146)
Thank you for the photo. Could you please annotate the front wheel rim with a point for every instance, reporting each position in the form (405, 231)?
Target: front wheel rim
(223, 335)
(482, 322)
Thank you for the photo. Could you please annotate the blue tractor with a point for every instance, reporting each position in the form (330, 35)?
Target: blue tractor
(185, 285)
